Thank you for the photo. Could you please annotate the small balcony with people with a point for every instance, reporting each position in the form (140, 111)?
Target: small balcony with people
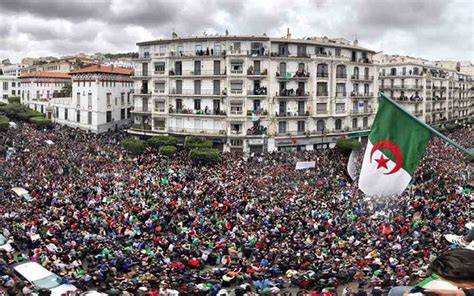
(284, 73)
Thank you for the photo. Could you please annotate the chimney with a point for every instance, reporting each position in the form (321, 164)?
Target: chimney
(288, 34)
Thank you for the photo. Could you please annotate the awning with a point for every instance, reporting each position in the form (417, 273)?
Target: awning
(236, 61)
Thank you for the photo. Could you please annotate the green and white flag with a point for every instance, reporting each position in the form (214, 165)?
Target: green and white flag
(396, 144)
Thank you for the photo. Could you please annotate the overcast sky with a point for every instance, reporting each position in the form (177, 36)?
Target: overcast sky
(432, 29)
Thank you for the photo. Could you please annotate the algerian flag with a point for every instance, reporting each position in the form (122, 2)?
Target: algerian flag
(396, 144)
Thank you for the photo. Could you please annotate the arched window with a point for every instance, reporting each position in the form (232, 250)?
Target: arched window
(338, 124)
(356, 72)
(366, 73)
(393, 71)
(320, 125)
(322, 70)
(341, 71)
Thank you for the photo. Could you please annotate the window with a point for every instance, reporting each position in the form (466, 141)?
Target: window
(89, 100)
(179, 104)
(197, 104)
(338, 124)
(356, 72)
(236, 128)
(256, 105)
(89, 118)
(366, 90)
(341, 71)
(320, 125)
(282, 69)
(122, 98)
(108, 96)
(65, 114)
(108, 116)
(198, 48)
(322, 89)
(236, 67)
(282, 127)
(128, 98)
(115, 101)
(216, 87)
(5, 86)
(236, 86)
(197, 87)
(321, 108)
(159, 124)
(160, 87)
(340, 108)
(365, 122)
(78, 115)
(393, 71)
(236, 108)
(301, 50)
(322, 70)
(160, 106)
(404, 70)
(256, 48)
(122, 114)
(236, 142)
(300, 127)
(179, 87)
(338, 52)
(236, 46)
(78, 99)
(340, 89)
(197, 67)
(160, 68)
(282, 108)
(354, 123)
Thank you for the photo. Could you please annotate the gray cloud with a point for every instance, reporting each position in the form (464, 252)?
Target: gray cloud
(435, 29)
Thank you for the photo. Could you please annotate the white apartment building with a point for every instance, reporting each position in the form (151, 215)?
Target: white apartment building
(255, 93)
(9, 87)
(435, 94)
(101, 99)
(37, 88)
(12, 69)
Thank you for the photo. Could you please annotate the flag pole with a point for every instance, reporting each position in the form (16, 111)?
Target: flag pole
(431, 129)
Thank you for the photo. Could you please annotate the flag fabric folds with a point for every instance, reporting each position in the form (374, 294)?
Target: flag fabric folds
(395, 147)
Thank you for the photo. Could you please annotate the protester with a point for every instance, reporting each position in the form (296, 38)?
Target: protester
(106, 222)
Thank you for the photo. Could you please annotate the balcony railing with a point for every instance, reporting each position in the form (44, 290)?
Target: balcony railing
(341, 94)
(142, 73)
(322, 74)
(341, 75)
(252, 72)
(292, 114)
(299, 75)
(340, 111)
(197, 73)
(236, 71)
(159, 72)
(255, 131)
(362, 77)
(209, 52)
(172, 110)
(202, 92)
(198, 131)
(321, 112)
(262, 91)
(365, 94)
(142, 91)
(292, 93)
(141, 109)
(236, 91)
(361, 112)
(322, 93)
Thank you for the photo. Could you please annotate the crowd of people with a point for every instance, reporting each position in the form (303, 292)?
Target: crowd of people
(102, 219)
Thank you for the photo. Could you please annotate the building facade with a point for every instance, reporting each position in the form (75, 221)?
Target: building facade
(255, 93)
(9, 87)
(38, 88)
(435, 93)
(101, 99)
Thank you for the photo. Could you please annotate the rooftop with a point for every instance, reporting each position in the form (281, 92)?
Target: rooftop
(104, 69)
(44, 74)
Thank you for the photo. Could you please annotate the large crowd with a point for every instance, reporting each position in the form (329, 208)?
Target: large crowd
(105, 221)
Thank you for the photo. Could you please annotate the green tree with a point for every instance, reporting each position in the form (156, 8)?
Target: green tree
(41, 121)
(4, 122)
(167, 150)
(159, 141)
(192, 142)
(134, 146)
(204, 155)
(347, 145)
(14, 100)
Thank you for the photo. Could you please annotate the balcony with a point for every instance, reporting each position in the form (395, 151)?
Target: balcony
(285, 93)
(251, 73)
(322, 94)
(197, 131)
(256, 131)
(141, 109)
(141, 127)
(141, 74)
(236, 92)
(193, 92)
(341, 94)
(341, 75)
(142, 57)
(340, 112)
(142, 92)
(237, 71)
(204, 112)
(260, 112)
(262, 91)
(362, 77)
(361, 112)
(159, 73)
(299, 75)
(300, 113)
(412, 99)
(207, 73)
(208, 53)
(248, 53)
(322, 74)
(362, 95)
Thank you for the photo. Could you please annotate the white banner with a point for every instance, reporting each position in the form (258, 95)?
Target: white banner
(303, 165)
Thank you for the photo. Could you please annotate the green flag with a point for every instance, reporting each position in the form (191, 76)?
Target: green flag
(396, 144)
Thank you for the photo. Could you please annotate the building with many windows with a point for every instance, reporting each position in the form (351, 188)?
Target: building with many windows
(255, 93)
(9, 87)
(435, 92)
(37, 88)
(101, 99)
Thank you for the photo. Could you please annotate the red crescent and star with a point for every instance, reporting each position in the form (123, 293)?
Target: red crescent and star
(382, 162)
